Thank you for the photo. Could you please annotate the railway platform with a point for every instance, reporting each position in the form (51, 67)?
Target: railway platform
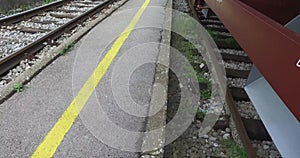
(110, 68)
(150, 78)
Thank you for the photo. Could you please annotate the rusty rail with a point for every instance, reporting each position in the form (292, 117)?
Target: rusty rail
(251, 153)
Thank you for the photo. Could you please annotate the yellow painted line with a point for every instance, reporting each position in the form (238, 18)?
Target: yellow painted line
(53, 139)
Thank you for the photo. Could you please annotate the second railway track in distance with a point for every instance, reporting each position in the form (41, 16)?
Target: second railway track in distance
(23, 35)
(250, 128)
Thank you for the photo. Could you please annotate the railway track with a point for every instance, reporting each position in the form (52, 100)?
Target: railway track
(237, 66)
(24, 34)
(250, 128)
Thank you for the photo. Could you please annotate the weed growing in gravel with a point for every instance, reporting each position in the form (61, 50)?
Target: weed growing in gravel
(18, 9)
(231, 41)
(205, 92)
(201, 114)
(24, 7)
(234, 149)
(19, 87)
(187, 49)
(215, 35)
(48, 1)
(189, 55)
(67, 48)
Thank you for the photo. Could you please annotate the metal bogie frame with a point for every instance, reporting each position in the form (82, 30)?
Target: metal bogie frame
(269, 33)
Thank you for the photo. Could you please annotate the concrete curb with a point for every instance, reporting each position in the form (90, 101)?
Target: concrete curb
(30, 73)
(156, 139)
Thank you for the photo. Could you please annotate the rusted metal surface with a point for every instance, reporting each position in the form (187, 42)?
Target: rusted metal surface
(281, 11)
(240, 125)
(14, 59)
(272, 48)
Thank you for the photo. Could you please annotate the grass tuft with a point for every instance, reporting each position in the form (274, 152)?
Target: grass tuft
(234, 149)
(67, 48)
(204, 93)
(19, 87)
(200, 115)
(48, 1)
(217, 37)
(24, 7)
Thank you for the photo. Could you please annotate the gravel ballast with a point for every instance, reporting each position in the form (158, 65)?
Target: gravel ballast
(47, 52)
(237, 65)
(191, 143)
(14, 37)
(232, 51)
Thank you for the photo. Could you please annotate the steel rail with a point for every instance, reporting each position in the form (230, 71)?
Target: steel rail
(32, 12)
(236, 117)
(14, 59)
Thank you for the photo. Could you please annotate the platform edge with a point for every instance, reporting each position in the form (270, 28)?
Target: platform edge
(161, 77)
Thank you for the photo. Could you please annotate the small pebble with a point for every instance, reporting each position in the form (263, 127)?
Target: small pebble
(226, 136)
